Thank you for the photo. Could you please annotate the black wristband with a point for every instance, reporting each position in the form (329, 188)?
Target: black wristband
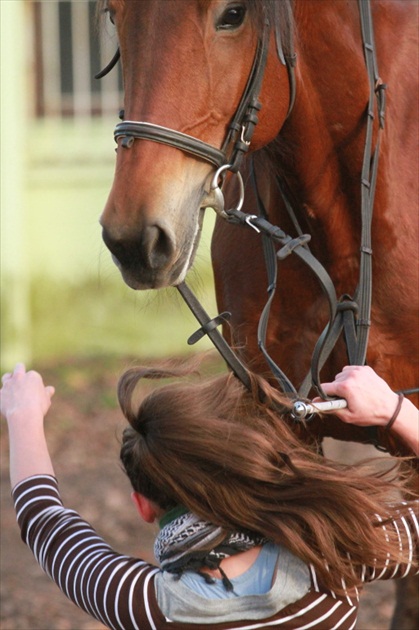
(396, 412)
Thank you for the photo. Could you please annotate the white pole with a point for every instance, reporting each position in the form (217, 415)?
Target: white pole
(81, 59)
(15, 279)
(51, 58)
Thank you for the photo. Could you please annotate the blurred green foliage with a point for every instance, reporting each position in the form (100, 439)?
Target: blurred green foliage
(63, 296)
(94, 317)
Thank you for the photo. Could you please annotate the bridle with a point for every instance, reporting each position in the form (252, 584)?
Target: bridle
(240, 130)
(228, 158)
(347, 314)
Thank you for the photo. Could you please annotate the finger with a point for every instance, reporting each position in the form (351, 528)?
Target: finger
(50, 390)
(5, 377)
(19, 369)
(341, 376)
(329, 388)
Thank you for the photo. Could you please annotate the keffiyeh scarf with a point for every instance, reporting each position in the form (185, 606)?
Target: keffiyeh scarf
(185, 543)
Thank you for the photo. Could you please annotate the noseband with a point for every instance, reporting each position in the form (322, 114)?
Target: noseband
(240, 130)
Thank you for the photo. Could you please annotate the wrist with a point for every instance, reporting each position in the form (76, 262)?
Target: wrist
(26, 417)
(24, 427)
(388, 411)
(28, 451)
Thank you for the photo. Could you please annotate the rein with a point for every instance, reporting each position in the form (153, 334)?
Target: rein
(350, 315)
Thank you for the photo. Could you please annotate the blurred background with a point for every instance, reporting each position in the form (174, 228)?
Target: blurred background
(61, 293)
(65, 310)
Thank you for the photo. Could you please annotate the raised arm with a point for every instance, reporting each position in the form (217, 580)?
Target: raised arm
(372, 402)
(24, 403)
(107, 585)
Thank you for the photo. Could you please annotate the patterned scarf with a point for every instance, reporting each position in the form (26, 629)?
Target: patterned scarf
(184, 540)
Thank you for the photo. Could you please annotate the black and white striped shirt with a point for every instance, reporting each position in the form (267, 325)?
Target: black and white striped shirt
(119, 591)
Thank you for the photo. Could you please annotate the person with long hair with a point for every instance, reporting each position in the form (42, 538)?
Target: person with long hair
(257, 529)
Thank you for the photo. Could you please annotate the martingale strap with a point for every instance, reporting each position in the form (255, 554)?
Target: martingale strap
(350, 315)
(209, 327)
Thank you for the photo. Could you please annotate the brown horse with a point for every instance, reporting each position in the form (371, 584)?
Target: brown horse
(186, 65)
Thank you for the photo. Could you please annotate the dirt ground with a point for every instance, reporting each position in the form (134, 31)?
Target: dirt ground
(83, 431)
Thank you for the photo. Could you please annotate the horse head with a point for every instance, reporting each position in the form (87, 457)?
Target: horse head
(186, 65)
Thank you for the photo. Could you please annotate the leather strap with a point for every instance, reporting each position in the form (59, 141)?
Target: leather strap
(130, 130)
(352, 316)
(216, 337)
(368, 182)
(238, 138)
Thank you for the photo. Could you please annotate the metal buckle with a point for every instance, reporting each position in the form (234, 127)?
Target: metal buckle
(215, 198)
(242, 138)
(249, 218)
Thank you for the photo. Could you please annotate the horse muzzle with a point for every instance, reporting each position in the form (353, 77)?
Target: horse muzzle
(147, 261)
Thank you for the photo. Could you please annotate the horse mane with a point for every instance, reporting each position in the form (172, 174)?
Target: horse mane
(279, 14)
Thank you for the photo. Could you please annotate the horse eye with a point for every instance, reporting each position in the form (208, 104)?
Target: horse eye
(232, 17)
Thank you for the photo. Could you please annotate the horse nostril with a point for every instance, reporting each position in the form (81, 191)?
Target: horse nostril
(122, 250)
(157, 247)
(151, 249)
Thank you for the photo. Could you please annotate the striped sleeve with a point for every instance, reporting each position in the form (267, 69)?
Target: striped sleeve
(111, 587)
(407, 531)
(119, 591)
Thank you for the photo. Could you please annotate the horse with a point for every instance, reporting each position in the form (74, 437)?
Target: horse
(285, 98)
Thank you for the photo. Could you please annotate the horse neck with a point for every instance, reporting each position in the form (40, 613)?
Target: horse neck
(321, 144)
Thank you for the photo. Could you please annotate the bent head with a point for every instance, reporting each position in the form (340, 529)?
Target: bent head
(195, 441)
(212, 447)
(185, 67)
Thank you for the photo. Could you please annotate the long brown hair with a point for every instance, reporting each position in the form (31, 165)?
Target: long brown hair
(213, 447)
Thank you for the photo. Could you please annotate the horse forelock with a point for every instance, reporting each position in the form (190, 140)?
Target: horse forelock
(277, 12)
